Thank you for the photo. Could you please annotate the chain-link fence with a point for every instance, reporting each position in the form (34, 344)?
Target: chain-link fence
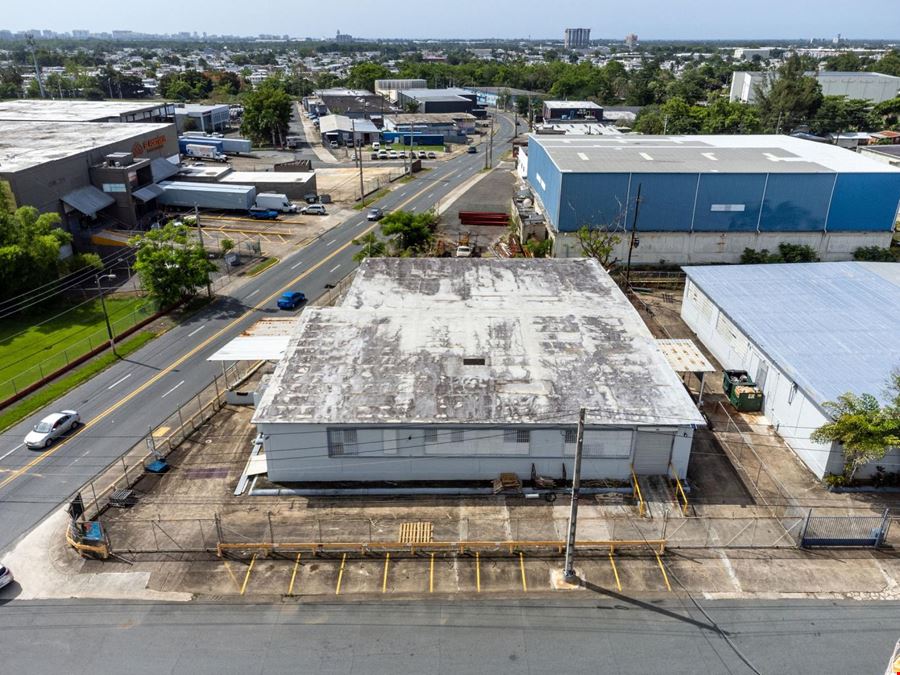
(161, 440)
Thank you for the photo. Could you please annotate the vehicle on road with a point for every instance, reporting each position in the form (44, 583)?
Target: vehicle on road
(291, 300)
(375, 214)
(432, 155)
(263, 214)
(472, 150)
(6, 576)
(314, 210)
(52, 427)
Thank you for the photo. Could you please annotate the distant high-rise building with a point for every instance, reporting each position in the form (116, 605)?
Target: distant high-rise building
(577, 38)
(343, 37)
(631, 40)
(80, 34)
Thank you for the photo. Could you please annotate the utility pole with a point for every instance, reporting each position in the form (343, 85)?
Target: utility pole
(631, 244)
(29, 39)
(569, 569)
(491, 151)
(109, 332)
(202, 246)
(357, 150)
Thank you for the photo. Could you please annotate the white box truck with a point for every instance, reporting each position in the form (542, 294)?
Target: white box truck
(199, 151)
(275, 201)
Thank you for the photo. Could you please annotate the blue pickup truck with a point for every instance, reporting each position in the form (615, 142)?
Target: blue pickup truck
(291, 300)
(263, 214)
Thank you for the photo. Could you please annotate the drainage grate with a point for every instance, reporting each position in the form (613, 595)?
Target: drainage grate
(416, 533)
(205, 473)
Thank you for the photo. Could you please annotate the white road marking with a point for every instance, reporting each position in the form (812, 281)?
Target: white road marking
(333, 269)
(329, 243)
(429, 195)
(173, 389)
(252, 293)
(195, 331)
(12, 451)
(118, 381)
(402, 194)
(293, 267)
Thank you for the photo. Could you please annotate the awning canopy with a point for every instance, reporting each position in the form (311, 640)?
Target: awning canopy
(253, 348)
(145, 194)
(88, 200)
(684, 356)
(162, 168)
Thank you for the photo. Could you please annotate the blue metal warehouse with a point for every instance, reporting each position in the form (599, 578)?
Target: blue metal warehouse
(725, 192)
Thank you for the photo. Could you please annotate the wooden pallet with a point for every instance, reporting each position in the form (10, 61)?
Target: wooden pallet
(421, 532)
(508, 482)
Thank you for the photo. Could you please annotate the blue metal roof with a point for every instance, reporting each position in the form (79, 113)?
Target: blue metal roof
(831, 327)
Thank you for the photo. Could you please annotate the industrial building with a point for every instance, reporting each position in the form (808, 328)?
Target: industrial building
(449, 100)
(874, 87)
(704, 199)
(88, 172)
(426, 371)
(206, 118)
(572, 111)
(577, 38)
(344, 130)
(454, 127)
(355, 103)
(389, 88)
(42, 110)
(807, 333)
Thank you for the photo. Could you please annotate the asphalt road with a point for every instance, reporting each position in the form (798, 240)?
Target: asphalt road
(119, 405)
(561, 636)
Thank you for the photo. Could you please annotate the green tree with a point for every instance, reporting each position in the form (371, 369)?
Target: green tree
(838, 113)
(188, 85)
(10, 82)
(171, 263)
(267, 112)
(372, 247)
(363, 75)
(787, 253)
(409, 232)
(865, 428)
(599, 242)
(722, 116)
(874, 254)
(674, 116)
(889, 64)
(788, 97)
(887, 113)
(30, 244)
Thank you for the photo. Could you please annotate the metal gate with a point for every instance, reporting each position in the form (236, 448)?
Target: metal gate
(862, 531)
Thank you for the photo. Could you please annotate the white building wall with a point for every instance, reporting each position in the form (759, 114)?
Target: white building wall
(297, 452)
(789, 410)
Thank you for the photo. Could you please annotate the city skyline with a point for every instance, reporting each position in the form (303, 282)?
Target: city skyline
(651, 19)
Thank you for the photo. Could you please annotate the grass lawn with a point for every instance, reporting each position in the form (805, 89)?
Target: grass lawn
(46, 395)
(371, 199)
(29, 351)
(261, 267)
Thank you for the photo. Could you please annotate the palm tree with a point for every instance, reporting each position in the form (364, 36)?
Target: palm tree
(372, 247)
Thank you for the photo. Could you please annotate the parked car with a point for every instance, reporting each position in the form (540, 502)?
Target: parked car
(375, 214)
(431, 155)
(52, 427)
(393, 154)
(314, 210)
(402, 154)
(291, 300)
(422, 154)
(463, 251)
(6, 576)
(376, 146)
(472, 150)
(382, 154)
(263, 214)
(333, 145)
(374, 155)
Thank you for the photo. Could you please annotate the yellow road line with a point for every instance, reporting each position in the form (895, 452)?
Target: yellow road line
(477, 572)
(337, 590)
(663, 570)
(431, 576)
(247, 576)
(387, 560)
(294, 574)
(615, 571)
(160, 431)
(522, 568)
(237, 584)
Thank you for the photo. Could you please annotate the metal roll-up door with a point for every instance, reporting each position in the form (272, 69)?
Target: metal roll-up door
(652, 451)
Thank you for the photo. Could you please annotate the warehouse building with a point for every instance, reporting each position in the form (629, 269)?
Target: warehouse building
(874, 87)
(426, 371)
(454, 127)
(704, 199)
(89, 173)
(449, 100)
(42, 110)
(572, 111)
(807, 333)
(206, 118)
(343, 129)
(390, 89)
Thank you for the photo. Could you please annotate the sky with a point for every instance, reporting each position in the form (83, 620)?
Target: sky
(418, 19)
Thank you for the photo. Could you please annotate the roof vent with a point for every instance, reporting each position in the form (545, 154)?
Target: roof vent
(479, 361)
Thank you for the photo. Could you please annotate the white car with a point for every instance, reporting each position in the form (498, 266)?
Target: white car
(52, 427)
(6, 577)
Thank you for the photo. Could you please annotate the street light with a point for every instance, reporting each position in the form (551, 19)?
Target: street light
(112, 342)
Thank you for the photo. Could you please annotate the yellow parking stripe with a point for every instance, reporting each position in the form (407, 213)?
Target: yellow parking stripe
(294, 575)
(387, 561)
(522, 568)
(337, 590)
(615, 571)
(247, 576)
(237, 584)
(160, 431)
(663, 570)
(431, 576)
(477, 572)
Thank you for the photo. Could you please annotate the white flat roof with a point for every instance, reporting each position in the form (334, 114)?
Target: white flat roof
(253, 348)
(24, 145)
(431, 340)
(268, 177)
(72, 111)
(684, 356)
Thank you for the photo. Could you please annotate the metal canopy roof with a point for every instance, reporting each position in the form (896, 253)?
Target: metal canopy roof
(162, 169)
(684, 356)
(145, 194)
(253, 348)
(88, 200)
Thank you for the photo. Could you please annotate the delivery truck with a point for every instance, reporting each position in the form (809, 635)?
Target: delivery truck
(202, 151)
(273, 200)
